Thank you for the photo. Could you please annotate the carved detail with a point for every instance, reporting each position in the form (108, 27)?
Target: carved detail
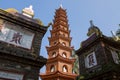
(93, 29)
(1, 24)
(49, 24)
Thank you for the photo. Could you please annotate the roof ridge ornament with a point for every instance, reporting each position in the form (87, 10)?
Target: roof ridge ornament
(117, 35)
(93, 29)
(91, 23)
(28, 11)
(61, 6)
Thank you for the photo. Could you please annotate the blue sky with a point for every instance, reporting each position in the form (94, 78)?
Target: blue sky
(104, 13)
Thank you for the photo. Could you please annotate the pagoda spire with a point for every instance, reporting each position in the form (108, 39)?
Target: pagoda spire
(61, 5)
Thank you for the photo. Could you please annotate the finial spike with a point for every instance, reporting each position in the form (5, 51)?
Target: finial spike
(91, 23)
(113, 34)
(119, 25)
(61, 6)
(30, 6)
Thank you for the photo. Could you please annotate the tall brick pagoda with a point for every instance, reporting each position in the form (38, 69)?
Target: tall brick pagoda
(20, 42)
(59, 64)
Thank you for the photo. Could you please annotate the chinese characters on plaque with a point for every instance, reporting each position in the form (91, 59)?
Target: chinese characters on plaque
(90, 60)
(16, 35)
(16, 38)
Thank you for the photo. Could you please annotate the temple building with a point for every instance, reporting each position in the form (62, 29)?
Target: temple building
(20, 42)
(60, 63)
(99, 56)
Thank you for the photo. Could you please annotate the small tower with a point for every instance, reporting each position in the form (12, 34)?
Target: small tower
(59, 65)
(20, 42)
(99, 56)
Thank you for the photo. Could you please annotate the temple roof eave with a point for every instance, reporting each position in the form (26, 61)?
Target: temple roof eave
(22, 20)
(60, 58)
(54, 31)
(49, 48)
(58, 73)
(95, 39)
(58, 37)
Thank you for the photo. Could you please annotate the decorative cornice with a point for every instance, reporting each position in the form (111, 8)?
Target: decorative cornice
(57, 46)
(60, 29)
(94, 39)
(60, 58)
(60, 37)
(58, 74)
(60, 23)
(39, 61)
(22, 20)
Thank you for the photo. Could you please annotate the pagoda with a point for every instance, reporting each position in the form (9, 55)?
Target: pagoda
(60, 63)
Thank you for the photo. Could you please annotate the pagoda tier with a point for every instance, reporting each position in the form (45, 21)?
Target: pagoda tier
(58, 76)
(59, 61)
(59, 37)
(59, 49)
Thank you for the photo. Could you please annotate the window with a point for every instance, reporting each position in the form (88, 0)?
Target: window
(64, 69)
(52, 69)
(63, 43)
(58, 27)
(55, 43)
(90, 60)
(64, 54)
(53, 54)
(116, 56)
